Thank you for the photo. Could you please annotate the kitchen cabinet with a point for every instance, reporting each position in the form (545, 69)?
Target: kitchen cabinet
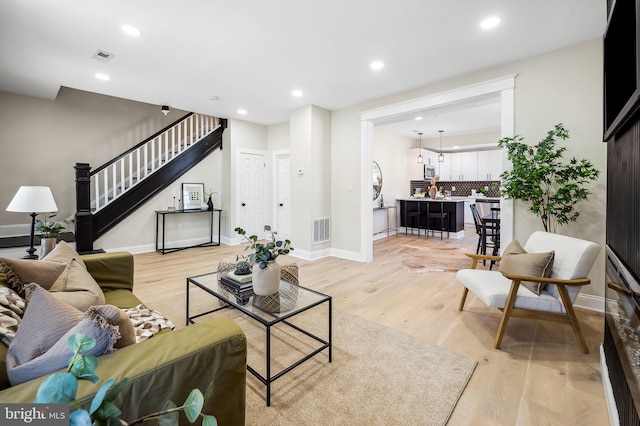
(468, 166)
(489, 165)
(465, 166)
(416, 170)
(459, 166)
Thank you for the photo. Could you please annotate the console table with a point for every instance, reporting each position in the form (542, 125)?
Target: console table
(162, 214)
(389, 210)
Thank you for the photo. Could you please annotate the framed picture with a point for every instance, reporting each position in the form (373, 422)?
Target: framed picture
(192, 196)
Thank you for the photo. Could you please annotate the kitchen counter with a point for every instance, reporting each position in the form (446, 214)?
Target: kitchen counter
(454, 207)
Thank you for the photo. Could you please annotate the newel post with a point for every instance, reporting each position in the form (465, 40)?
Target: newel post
(84, 218)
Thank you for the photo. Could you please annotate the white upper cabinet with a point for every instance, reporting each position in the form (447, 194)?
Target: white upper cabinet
(489, 165)
(469, 166)
(461, 166)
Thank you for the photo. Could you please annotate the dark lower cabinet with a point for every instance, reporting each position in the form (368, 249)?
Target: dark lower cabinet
(415, 213)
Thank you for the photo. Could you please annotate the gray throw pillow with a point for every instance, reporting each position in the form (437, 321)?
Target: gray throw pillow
(40, 344)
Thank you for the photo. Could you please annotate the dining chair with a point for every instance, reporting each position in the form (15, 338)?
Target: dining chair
(478, 224)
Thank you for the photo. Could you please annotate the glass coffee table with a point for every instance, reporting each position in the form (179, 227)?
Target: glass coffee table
(269, 311)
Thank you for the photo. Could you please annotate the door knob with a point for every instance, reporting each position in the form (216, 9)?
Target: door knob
(243, 204)
(281, 204)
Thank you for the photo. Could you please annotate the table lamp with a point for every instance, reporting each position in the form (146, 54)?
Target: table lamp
(34, 200)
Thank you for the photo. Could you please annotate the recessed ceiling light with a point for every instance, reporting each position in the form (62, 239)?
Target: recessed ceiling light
(131, 30)
(242, 111)
(377, 65)
(418, 118)
(490, 23)
(214, 98)
(297, 93)
(101, 76)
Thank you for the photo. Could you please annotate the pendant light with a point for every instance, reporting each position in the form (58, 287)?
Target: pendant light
(440, 155)
(420, 159)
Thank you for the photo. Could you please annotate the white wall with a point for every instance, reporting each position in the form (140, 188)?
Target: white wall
(279, 136)
(310, 128)
(42, 140)
(391, 152)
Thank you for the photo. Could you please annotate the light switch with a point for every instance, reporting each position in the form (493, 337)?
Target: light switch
(453, 189)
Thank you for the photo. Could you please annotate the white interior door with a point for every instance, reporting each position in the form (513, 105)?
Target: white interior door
(282, 195)
(251, 190)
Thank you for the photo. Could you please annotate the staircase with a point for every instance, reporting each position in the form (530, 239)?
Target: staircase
(108, 194)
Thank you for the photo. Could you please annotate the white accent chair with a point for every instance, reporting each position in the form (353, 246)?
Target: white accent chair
(573, 261)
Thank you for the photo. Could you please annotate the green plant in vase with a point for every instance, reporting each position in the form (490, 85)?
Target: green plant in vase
(264, 252)
(50, 229)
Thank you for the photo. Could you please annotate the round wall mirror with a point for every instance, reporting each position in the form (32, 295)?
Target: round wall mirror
(377, 180)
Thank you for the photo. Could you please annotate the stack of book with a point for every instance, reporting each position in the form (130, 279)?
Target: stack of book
(238, 285)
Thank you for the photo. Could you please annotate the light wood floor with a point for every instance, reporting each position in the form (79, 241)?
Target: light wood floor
(540, 377)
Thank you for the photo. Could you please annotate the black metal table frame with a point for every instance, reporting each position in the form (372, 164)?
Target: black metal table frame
(164, 214)
(326, 344)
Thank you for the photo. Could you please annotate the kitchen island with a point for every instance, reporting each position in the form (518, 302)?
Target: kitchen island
(414, 213)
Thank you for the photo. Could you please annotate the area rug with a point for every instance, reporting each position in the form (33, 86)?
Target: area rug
(419, 259)
(378, 376)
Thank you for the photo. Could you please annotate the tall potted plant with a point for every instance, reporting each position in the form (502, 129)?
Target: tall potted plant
(540, 178)
(266, 272)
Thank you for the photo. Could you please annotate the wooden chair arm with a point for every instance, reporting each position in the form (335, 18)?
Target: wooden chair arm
(482, 256)
(577, 281)
(476, 257)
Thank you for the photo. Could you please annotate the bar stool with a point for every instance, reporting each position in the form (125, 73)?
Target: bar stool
(439, 216)
(412, 219)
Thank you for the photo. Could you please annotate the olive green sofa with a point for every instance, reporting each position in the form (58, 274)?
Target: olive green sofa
(166, 367)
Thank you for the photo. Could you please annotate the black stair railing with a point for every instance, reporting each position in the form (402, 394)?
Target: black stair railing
(102, 203)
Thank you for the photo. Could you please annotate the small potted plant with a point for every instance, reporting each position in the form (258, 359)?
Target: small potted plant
(266, 277)
(49, 232)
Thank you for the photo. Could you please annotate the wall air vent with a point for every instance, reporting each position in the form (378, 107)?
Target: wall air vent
(102, 56)
(321, 231)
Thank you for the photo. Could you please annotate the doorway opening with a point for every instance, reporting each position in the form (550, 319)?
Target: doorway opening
(502, 88)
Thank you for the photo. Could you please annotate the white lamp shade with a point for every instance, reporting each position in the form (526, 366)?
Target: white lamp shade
(33, 199)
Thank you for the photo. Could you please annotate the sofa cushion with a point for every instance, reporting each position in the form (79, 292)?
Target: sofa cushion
(19, 272)
(515, 260)
(57, 357)
(493, 288)
(64, 253)
(45, 317)
(116, 317)
(11, 310)
(77, 287)
(53, 322)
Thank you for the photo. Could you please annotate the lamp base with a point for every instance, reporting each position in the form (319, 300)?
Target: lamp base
(31, 253)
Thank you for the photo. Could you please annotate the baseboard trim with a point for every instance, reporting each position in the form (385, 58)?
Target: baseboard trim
(590, 302)
(612, 407)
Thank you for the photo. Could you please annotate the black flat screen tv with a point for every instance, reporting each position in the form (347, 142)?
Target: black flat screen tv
(621, 89)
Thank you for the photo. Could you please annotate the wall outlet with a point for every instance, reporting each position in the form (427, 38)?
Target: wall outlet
(453, 189)
(486, 187)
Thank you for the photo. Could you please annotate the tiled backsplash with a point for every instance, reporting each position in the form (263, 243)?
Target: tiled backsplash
(463, 189)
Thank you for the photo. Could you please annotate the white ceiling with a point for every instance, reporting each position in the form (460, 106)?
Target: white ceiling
(251, 54)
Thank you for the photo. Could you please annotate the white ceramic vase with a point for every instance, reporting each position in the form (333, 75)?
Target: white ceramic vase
(46, 246)
(266, 281)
